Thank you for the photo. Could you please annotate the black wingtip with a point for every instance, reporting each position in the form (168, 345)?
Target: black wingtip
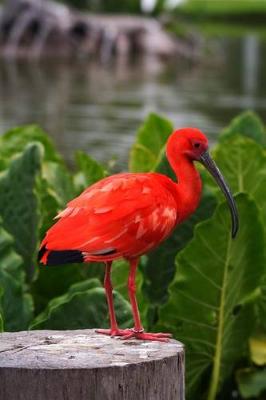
(41, 252)
(56, 257)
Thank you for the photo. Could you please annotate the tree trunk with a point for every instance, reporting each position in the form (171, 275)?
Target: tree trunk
(83, 365)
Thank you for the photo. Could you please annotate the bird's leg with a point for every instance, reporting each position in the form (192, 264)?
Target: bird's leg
(138, 330)
(114, 330)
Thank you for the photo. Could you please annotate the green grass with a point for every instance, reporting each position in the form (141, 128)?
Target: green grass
(221, 8)
(223, 28)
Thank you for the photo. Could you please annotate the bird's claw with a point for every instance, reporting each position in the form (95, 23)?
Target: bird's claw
(125, 334)
(141, 335)
(114, 332)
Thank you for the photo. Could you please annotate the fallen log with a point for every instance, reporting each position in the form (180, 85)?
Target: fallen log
(36, 28)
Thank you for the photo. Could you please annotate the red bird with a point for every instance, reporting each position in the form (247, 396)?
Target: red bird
(128, 214)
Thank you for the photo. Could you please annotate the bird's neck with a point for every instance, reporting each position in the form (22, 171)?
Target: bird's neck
(188, 184)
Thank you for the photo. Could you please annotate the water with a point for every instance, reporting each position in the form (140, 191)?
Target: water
(99, 108)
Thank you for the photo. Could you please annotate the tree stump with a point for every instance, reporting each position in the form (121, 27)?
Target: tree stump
(81, 364)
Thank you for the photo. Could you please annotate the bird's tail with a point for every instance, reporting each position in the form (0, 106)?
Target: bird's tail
(57, 257)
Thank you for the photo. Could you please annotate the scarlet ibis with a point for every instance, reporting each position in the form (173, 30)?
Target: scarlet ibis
(128, 214)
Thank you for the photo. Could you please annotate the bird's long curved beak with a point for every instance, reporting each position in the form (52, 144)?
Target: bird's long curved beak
(210, 165)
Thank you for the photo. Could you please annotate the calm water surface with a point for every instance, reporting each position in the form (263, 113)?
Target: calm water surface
(99, 108)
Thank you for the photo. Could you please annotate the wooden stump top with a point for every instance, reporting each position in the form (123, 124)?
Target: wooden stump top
(81, 364)
(78, 349)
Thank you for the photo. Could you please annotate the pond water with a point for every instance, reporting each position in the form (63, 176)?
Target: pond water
(99, 108)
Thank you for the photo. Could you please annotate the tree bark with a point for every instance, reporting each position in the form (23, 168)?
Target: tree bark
(83, 365)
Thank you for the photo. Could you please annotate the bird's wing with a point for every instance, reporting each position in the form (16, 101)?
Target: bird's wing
(125, 214)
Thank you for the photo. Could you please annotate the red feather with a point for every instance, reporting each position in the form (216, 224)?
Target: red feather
(127, 213)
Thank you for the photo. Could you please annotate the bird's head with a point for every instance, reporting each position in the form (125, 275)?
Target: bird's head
(193, 144)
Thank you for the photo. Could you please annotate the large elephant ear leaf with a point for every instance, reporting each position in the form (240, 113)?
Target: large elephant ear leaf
(18, 202)
(59, 180)
(247, 124)
(252, 383)
(120, 274)
(257, 345)
(243, 163)
(15, 140)
(149, 147)
(159, 266)
(1, 312)
(210, 307)
(261, 306)
(16, 306)
(83, 306)
(90, 171)
(1, 323)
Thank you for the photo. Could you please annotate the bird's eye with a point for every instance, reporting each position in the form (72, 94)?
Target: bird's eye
(196, 145)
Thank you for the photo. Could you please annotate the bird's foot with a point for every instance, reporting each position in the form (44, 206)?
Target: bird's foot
(114, 332)
(141, 335)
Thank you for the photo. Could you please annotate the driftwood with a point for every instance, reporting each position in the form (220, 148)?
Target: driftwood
(35, 28)
(82, 365)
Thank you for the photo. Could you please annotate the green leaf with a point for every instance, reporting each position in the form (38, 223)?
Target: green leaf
(90, 171)
(1, 312)
(49, 205)
(149, 147)
(59, 181)
(207, 307)
(261, 305)
(52, 282)
(243, 163)
(16, 302)
(159, 265)
(83, 306)
(15, 140)
(1, 323)
(18, 202)
(120, 272)
(257, 345)
(247, 124)
(251, 382)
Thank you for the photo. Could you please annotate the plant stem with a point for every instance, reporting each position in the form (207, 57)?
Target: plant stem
(218, 353)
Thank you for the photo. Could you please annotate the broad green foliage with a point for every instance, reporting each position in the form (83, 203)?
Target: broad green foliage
(16, 306)
(83, 306)
(59, 180)
(49, 204)
(18, 202)
(90, 171)
(243, 163)
(1, 311)
(148, 150)
(1, 323)
(261, 305)
(120, 272)
(159, 265)
(214, 283)
(257, 346)
(252, 383)
(247, 124)
(15, 141)
(207, 307)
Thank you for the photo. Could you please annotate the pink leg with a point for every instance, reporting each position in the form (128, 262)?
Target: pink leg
(114, 331)
(138, 331)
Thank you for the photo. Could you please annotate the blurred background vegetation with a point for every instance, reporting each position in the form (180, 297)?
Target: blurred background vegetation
(85, 115)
